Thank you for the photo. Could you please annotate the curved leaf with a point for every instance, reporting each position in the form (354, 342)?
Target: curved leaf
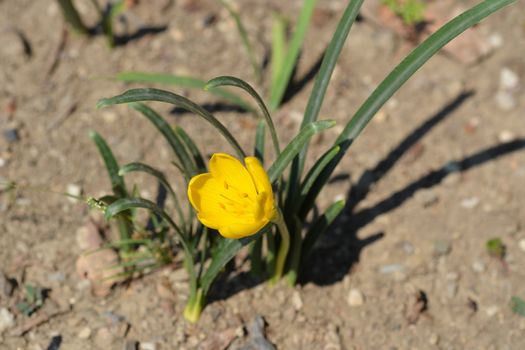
(137, 95)
(232, 81)
(293, 148)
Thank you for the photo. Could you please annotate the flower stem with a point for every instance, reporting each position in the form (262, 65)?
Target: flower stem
(283, 248)
(193, 309)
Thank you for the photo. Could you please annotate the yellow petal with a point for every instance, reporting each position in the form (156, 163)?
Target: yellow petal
(205, 194)
(240, 230)
(259, 175)
(227, 168)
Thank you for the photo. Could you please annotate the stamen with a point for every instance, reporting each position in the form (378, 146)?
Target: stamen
(226, 186)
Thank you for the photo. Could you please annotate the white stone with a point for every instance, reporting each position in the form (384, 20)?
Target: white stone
(84, 333)
(148, 346)
(495, 40)
(492, 310)
(73, 190)
(505, 100)
(7, 320)
(355, 297)
(508, 79)
(297, 301)
(521, 243)
(506, 136)
(470, 203)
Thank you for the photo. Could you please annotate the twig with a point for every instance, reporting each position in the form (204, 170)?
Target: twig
(57, 51)
(37, 321)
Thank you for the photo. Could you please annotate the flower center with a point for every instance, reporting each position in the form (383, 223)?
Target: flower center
(237, 202)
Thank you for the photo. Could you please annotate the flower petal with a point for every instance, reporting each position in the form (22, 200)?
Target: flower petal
(240, 230)
(259, 175)
(227, 168)
(205, 194)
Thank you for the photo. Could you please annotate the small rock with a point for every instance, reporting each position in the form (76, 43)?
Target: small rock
(521, 243)
(3, 162)
(148, 346)
(355, 297)
(406, 246)
(442, 247)
(103, 338)
(131, 345)
(426, 197)
(84, 333)
(452, 289)
(297, 301)
(506, 136)
(495, 40)
(508, 79)
(209, 20)
(434, 339)
(11, 135)
(478, 266)
(388, 269)
(492, 310)
(332, 338)
(506, 102)
(257, 337)
(470, 203)
(74, 191)
(7, 320)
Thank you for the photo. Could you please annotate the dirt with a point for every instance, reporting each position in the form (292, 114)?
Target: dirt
(438, 173)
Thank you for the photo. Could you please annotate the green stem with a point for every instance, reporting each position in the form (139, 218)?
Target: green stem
(194, 306)
(295, 253)
(72, 17)
(283, 247)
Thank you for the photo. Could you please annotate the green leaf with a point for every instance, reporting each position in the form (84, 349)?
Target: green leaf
(124, 204)
(517, 305)
(283, 79)
(401, 73)
(322, 78)
(278, 48)
(414, 61)
(137, 95)
(320, 226)
(260, 134)
(170, 136)
(186, 82)
(226, 250)
(192, 148)
(496, 248)
(293, 148)
(117, 182)
(141, 167)
(232, 81)
(244, 39)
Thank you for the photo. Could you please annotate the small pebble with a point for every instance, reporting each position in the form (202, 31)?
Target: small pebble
(470, 203)
(75, 191)
(508, 79)
(434, 339)
(3, 162)
(478, 266)
(388, 269)
(506, 102)
(297, 301)
(492, 310)
(521, 243)
(442, 248)
(131, 345)
(355, 297)
(84, 333)
(506, 136)
(452, 289)
(148, 346)
(426, 197)
(495, 40)
(11, 135)
(7, 320)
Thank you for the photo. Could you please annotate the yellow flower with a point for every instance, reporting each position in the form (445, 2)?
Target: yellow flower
(234, 199)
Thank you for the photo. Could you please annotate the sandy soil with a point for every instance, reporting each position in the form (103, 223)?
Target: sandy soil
(435, 175)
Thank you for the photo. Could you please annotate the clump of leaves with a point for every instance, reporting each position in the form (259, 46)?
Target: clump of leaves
(517, 305)
(496, 248)
(410, 11)
(34, 297)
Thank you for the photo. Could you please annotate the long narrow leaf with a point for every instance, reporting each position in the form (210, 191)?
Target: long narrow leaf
(187, 82)
(292, 54)
(170, 136)
(260, 134)
(295, 146)
(138, 95)
(141, 167)
(232, 81)
(244, 39)
(226, 250)
(278, 48)
(327, 67)
(192, 148)
(117, 182)
(399, 75)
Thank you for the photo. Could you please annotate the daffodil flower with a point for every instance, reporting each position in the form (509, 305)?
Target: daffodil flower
(235, 199)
